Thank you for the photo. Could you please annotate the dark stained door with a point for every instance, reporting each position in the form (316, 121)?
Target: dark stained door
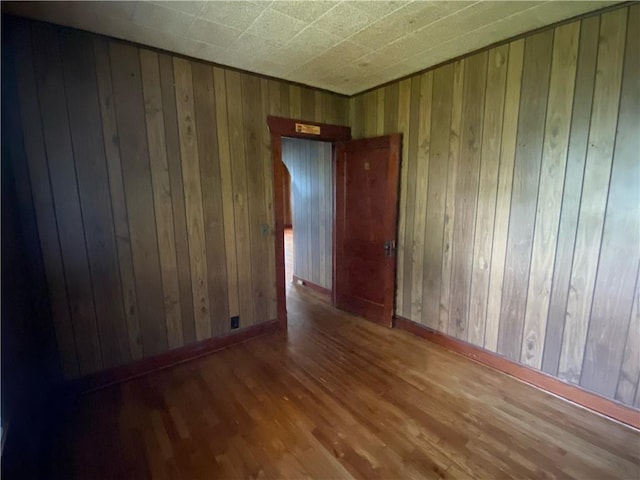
(366, 217)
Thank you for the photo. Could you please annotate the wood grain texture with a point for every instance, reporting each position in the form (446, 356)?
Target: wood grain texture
(42, 197)
(281, 411)
(526, 176)
(614, 289)
(436, 194)
(129, 107)
(185, 106)
(267, 168)
(466, 193)
(626, 390)
(147, 201)
(450, 203)
(64, 185)
(258, 228)
(174, 159)
(554, 156)
(422, 184)
(503, 195)
(93, 186)
(210, 180)
(404, 112)
(240, 196)
(228, 213)
(540, 266)
(487, 191)
(154, 117)
(587, 264)
(571, 196)
(117, 196)
(604, 116)
(411, 214)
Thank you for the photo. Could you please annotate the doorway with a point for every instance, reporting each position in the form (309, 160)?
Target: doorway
(364, 185)
(309, 244)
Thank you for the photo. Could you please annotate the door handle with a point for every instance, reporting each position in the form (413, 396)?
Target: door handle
(389, 246)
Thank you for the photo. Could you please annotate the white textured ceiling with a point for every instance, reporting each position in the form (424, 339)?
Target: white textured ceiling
(342, 46)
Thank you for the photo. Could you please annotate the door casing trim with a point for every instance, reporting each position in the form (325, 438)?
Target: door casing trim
(286, 127)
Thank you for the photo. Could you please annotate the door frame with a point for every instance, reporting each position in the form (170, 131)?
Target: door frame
(288, 127)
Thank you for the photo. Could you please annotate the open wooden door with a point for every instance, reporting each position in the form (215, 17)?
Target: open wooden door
(365, 228)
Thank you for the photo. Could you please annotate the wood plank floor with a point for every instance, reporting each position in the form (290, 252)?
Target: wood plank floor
(337, 397)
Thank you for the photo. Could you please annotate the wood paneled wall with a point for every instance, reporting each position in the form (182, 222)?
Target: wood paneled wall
(520, 208)
(151, 184)
(309, 164)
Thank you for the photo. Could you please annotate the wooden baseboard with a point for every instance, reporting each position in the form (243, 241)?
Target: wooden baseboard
(323, 293)
(168, 359)
(543, 381)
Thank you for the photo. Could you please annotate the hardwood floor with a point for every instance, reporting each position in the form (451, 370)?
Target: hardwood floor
(338, 397)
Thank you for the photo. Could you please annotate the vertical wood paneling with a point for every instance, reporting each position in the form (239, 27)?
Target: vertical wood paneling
(620, 247)
(154, 117)
(629, 377)
(380, 110)
(450, 202)
(130, 116)
(554, 155)
(490, 219)
(267, 168)
(227, 190)
(503, 195)
(116, 191)
(251, 103)
(152, 191)
(64, 185)
(485, 214)
(391, 115)
(404, 112)
(93, 187)
(422, 179)
(604, 118)
(578, 138)
(240, 194)
(436, 194)
(526, 174)
(183, 78)
(295, 101)
(177, 195)
(42, 195)
(205, 121)
(466, 191)
(411, 144)
(370, 113)
(542, 264)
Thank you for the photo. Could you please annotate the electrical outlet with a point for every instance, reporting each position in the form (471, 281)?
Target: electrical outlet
(235, 322)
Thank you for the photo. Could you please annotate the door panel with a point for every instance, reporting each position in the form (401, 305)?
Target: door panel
(366, 216)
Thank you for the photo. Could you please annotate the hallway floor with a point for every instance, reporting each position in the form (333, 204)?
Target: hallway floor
(338, 397)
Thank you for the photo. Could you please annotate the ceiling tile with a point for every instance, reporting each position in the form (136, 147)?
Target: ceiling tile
(161, 18)
(343, 20)
(190, 8)
(307, 11)
(113, 9)
(275, 26)
(343, 53)
(551, 11)
(251, 46)
(375, 8)
(310, 42)
(304, 41)
(213, 33)
(234, 14)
